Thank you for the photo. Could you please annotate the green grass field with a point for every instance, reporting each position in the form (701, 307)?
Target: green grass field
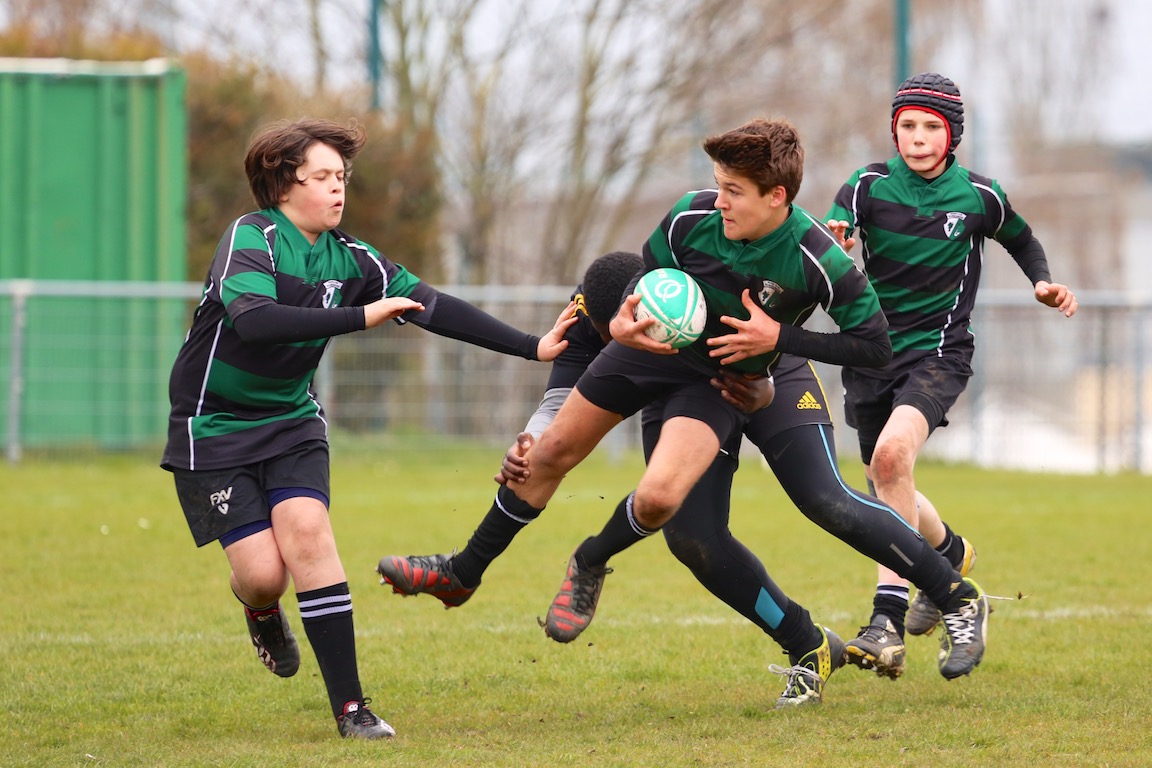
(122, 645)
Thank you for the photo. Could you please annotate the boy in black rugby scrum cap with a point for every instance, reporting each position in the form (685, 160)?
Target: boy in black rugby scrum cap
(922, 219)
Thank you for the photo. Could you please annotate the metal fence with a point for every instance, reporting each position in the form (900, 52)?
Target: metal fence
(84, 368)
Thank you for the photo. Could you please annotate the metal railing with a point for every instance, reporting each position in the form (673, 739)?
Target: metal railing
(84, 367)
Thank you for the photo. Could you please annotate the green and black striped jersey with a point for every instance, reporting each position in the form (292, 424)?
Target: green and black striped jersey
(791, 271)
(236, 402)
(922, 246)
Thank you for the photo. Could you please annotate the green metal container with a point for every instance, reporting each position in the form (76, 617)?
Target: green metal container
(93, 172)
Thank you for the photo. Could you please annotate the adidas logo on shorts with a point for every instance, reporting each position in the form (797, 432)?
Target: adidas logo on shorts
(808, 403)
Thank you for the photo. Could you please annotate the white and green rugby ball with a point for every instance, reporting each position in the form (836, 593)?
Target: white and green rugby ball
(676, 301)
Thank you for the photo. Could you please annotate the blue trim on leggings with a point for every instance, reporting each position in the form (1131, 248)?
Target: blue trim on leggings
(828, 453)
(767, 609)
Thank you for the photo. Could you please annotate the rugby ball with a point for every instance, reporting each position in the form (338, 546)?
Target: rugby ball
(676, 301)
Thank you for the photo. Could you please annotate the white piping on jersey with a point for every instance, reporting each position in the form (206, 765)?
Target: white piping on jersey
(215, 341)
(203, 300)
(816, 261)
(271, 253)
(977, 248)
(315, 402)
(864, 252)
(232, 249)
(856, 193)
(200, 398)
(999, 202)
(676, 218)
(350, 244)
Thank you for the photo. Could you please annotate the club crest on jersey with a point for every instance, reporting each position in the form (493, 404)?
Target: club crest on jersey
(768, 293)
(954, 224)
(332, 293)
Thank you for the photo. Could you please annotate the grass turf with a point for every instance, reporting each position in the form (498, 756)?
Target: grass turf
(123, 646)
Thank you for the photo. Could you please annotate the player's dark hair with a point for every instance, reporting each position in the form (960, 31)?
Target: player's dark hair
(933, 93)
(278, 150)
(768, 152)
(605, 281)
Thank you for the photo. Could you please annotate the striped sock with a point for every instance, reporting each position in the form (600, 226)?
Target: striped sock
(327, 618)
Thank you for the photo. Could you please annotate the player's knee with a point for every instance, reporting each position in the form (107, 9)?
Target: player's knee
(552, 455)
(310, 541)
(891, 464)
(654, 506)
(686, 548)
(261, 583)
(676, 540)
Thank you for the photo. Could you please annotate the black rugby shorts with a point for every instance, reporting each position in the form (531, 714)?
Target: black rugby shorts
(931, 385)
(624, 380)
(218, 501)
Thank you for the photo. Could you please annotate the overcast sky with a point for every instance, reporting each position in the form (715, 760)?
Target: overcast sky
(1128, 97)
(1123, 98)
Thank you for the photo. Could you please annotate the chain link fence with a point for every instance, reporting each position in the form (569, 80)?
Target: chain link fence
(84, 368)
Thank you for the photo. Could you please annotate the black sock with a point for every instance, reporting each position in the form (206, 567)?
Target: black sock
(952, 547)
(891, 603)
(327, 617)
(620, 532)
(506, 518)
(797, 634)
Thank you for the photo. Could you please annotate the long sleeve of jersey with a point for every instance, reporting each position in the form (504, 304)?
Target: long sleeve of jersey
(282, 324)
(1031, 259)
(872, 350)
(447, 315)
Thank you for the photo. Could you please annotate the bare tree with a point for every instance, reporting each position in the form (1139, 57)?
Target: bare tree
(561, 129)
(606, 102)
(596, 98)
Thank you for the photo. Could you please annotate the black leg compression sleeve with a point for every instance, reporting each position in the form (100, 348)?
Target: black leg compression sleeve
(804, 460)
(699, 538)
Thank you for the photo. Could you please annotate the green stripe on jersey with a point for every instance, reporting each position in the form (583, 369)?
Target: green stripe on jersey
(224, 423)
(905, 301)
(921, 251)
(249, 389)
(926, 339)
(259, 283)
